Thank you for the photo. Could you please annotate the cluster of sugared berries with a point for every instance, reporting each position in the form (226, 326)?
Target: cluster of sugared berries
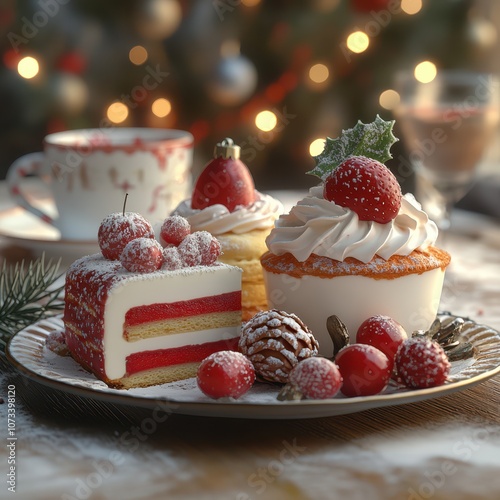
(129, 238)
(382, 350)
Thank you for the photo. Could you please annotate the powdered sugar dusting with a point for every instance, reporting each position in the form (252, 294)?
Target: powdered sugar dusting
(142, 255)
(225, 374)
(174, 229)
(316, 378)
(422, 363)
(56, 342)
(275, 341)
(117, 229)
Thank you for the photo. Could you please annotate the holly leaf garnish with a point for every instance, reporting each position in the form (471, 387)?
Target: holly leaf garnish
(373, 140)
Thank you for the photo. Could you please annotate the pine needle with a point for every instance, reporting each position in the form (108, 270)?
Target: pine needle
(28, 293)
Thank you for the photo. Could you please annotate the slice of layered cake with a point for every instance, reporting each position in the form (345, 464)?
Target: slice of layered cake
(135, 326)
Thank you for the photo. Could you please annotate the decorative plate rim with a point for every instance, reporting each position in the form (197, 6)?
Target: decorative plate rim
(26, 352)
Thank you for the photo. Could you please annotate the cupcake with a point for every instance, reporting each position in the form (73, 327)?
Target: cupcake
(354, 247)
(226, 204)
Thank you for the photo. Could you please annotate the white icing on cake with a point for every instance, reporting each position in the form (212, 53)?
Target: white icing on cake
(130, 290)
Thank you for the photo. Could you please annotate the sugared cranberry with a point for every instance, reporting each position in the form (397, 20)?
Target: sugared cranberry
(225, 374)
(118, 229)
(174, 229)
(316, 378)
(208, 246)
(422, 363)
(384, 333)
(172, 259)
(199, 248)
(365, 370)
(142, 255)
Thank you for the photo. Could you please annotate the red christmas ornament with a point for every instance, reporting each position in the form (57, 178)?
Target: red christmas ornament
(72, 62)
(225, 180)
(369, 5)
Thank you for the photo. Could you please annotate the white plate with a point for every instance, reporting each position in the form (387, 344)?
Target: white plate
(25, 230)
(28, 353)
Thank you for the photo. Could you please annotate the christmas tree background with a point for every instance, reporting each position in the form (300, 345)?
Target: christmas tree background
(211, 67)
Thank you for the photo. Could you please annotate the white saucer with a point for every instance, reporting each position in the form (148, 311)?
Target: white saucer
(25, 230)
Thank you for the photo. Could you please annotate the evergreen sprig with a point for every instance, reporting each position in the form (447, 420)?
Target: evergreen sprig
(28, 293)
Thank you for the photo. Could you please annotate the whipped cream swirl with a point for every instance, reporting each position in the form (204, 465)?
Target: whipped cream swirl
(319, 226)
(217, 219)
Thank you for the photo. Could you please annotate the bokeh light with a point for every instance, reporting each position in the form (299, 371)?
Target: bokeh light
(358, 42)
(319, 73)
(411, 7)
(389, 99)
(138, 55)
(266, 120)
(425, 71)
(250, 3)
(316, 147)
(161, 107)
(117, 112)
(28, 67)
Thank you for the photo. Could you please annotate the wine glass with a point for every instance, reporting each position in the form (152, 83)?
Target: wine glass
(447, 125)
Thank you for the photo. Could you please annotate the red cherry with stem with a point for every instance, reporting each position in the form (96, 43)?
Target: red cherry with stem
(174, 229)
(365, 370)
(225, 180)
(118, 229)
(422, 363)
(142, 255)
(225, 374)
(316, 378)
(384, 333)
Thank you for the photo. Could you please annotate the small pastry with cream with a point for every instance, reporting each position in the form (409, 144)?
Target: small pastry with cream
(355, 247)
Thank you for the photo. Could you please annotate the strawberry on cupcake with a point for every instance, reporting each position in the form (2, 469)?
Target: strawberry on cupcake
(355, 247)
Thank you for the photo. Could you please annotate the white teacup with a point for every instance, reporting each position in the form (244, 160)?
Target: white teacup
(89, 171)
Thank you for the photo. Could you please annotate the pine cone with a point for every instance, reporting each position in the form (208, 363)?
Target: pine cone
(275, 341)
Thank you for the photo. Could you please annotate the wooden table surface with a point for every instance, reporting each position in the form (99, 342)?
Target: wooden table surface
(445, 448)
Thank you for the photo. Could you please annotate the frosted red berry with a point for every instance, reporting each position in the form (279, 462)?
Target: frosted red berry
(316, 378)
(209, 247)
(384, 333)
(422, 363)
(365, 370)
(199, 249)
(118, 229)
(142, 255)
(172, 259)
(224, 181)
(365, 186)
(225, 374)
(174, 229)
